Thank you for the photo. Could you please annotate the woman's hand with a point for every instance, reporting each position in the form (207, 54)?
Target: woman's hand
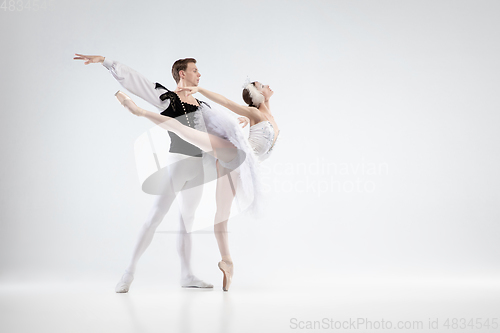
(243, 120)
(89, 59)
(188, 90)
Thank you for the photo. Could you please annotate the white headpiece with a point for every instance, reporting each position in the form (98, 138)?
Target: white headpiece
(255, 94)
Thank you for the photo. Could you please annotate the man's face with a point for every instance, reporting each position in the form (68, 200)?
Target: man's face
(191, 75)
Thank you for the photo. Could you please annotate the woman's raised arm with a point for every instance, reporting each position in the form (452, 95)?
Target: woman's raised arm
(242, 110)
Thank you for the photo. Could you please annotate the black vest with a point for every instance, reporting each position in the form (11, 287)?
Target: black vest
(184, 113)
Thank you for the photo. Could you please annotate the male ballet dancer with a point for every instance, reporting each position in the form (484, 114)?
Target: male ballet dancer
(181, 175)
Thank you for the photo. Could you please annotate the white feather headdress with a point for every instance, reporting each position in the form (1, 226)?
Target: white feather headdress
(255, 95)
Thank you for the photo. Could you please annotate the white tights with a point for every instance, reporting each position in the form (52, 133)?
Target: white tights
(180, 175)
(224, 196)
(223, 150)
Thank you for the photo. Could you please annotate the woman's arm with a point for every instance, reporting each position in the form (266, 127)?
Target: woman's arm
(242, 110)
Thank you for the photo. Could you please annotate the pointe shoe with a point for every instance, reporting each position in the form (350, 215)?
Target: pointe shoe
(227, 270)
(129, 104)
(124, 284)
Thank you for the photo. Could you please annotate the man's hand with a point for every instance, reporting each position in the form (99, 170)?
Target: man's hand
(89, 59)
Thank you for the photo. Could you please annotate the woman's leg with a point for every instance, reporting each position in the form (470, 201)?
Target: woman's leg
(224, 196)
(225, 193)
(220, 148)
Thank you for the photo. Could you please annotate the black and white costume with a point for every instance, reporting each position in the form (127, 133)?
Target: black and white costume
(183, 174)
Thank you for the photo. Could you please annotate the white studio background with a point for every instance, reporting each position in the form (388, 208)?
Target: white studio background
(387, 162)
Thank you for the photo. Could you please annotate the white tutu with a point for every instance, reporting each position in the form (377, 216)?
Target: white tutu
(219, 121)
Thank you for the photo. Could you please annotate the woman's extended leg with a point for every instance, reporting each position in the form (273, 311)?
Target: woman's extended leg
(212, 144)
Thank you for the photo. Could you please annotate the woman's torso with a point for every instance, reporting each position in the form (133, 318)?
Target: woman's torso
(262, 137)
(263, 132)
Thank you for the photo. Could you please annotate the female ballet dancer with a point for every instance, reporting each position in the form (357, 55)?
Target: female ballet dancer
(225, 142)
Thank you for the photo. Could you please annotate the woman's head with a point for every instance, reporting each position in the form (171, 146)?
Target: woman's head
(256, 93)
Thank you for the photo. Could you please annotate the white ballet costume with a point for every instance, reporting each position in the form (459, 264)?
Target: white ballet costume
(243, 183)
(261, 139)
(251, 150)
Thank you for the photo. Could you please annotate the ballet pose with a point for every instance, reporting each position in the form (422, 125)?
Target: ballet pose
(185, 174)
(225, 144)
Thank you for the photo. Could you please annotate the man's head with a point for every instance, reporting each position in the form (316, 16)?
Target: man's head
(186, 70)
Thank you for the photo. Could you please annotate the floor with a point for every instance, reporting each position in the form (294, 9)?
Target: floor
(360, 305)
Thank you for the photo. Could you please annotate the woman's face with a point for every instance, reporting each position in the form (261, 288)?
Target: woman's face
(264, 89)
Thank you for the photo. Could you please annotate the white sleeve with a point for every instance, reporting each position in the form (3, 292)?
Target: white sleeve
(136, 83)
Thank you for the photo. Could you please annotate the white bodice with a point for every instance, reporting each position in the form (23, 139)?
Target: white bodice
(261, 138)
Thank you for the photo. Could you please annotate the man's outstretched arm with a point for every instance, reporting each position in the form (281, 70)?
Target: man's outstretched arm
(131, 80)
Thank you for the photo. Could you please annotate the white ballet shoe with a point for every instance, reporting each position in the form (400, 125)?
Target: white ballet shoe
(129, 104)
(124, 284)
(227, 270)
(193, 282)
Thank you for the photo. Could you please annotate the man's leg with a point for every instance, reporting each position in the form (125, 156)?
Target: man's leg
(189, 200)
(172, 184)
